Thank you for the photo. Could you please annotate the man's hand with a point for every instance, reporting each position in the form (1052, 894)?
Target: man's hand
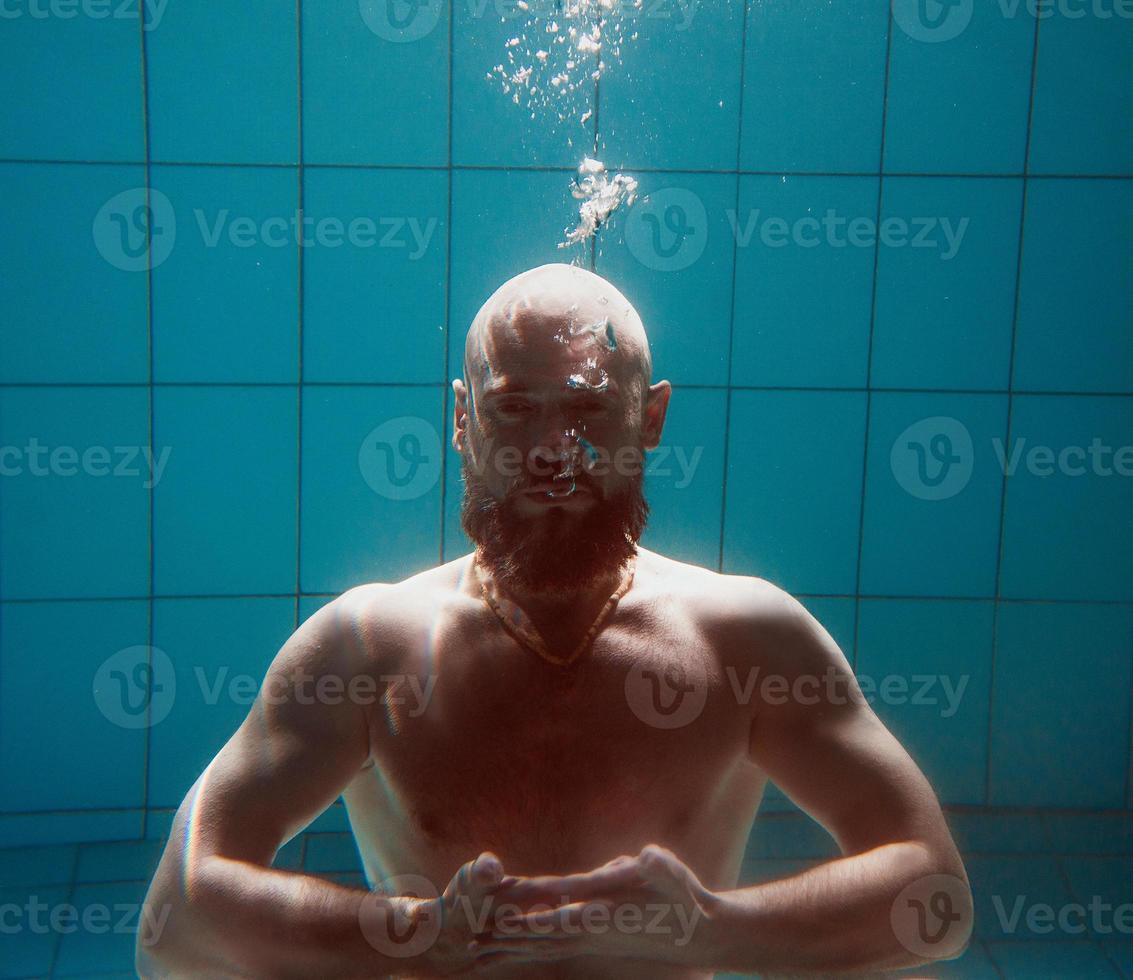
(645, 907)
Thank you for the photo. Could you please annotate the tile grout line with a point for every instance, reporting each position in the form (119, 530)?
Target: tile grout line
(989, 763)
(151, 605)
(869, 342)
(300, 272)
(1019, 392)
(446, 357)
(947, 175)
(71, 884)
(728, 388)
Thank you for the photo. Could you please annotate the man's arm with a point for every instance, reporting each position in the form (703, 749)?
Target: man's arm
(224, 911)
(899, 896)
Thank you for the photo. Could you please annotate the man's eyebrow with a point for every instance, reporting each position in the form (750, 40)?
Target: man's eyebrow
(505, 388)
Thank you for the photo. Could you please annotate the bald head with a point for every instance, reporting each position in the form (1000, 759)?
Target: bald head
(562, 304)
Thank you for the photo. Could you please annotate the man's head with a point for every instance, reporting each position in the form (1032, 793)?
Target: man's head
(552, 422)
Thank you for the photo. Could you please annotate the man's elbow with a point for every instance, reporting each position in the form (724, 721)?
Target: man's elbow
(933, 916)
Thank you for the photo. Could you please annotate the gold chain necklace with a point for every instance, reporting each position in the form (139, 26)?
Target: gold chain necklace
(514, 622)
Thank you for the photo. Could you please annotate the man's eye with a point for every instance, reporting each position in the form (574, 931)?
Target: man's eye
(512, 408)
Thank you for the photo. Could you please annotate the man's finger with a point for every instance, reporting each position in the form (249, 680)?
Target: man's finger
(564, 889)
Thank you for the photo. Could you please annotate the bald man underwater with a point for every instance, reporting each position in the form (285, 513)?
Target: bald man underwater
(544, 759)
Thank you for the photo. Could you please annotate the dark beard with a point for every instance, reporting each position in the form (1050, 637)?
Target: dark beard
(558, 551)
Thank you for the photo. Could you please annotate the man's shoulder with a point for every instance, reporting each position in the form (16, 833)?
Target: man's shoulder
(716, 596)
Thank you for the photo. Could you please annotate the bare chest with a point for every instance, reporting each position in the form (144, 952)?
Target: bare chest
(487, 747)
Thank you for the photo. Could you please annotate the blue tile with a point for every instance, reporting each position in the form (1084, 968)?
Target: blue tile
(1067, 533)
(106, 930)
(794, 476)
(119, 861)
(958, 105)
(931, 525)
(932, 694)
(1083, 99)
(813, 86)
(225, 509)
(525, 216)
(684, 479)
(69, 310)
(37, 865)
(646, 114)
(1107, 880)
(1120, 953)
(224, 300)
(984, 832)
(374, 299)
(223, 88)
(1006, 890)
(804, 285)
(946, 283)
(371, 485)
(1074, 960)
(790, 836)
(836, 615)
(72, 84)
(671, 255)
(494, 128)
(29, 940)
(69, 826)
(290, 856)
(94, 760)
(309, 605)
(332, 820)
(1090, 833)
(159, 823)
(332, 852)
(75, 511)
(1075, 293)
(220, 650)
(372, 93)
(1060, 721)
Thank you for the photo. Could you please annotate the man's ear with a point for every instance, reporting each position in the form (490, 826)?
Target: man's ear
(459, 414)
(656, 407)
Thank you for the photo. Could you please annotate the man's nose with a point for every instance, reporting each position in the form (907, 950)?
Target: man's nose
(558, 444)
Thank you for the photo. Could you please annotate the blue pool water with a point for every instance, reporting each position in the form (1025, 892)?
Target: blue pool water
(885, 259)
